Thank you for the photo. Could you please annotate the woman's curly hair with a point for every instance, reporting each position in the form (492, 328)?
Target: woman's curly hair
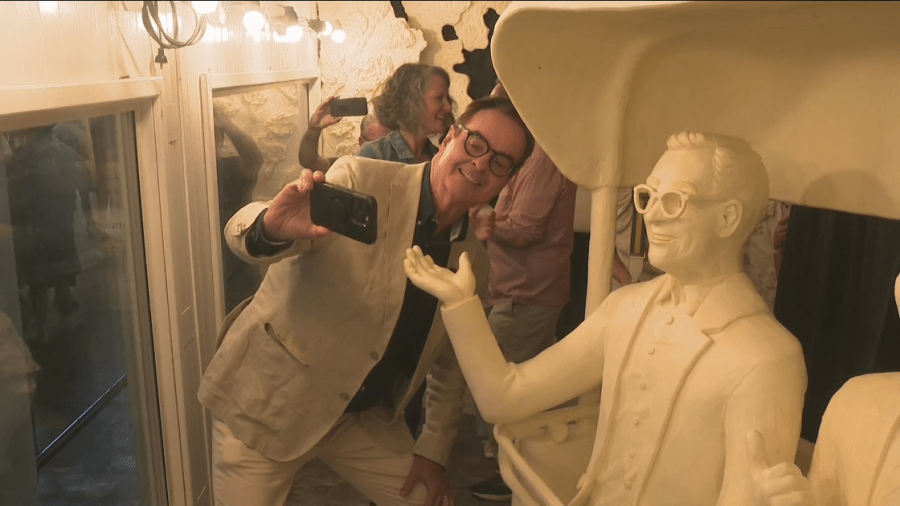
(402, 99)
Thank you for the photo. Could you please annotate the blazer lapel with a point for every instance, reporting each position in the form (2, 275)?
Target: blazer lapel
(881, 424)
(734, 298)
(399, 220)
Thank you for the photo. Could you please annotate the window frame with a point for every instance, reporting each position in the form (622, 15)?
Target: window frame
(215, 83)
(153, 390)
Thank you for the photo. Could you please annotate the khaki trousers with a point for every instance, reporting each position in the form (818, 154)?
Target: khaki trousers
(244, 477)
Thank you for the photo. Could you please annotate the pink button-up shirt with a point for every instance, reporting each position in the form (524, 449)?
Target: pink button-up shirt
(538, 205)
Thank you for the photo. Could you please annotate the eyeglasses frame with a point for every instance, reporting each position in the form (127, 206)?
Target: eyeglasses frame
(468, 132)
(655, 196)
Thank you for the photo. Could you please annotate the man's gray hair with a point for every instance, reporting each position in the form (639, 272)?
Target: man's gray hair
(366, 121)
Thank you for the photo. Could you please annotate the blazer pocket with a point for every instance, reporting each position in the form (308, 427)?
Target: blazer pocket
(265, 380)
(293, 351)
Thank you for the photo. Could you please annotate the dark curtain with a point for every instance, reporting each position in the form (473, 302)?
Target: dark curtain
(836, 294)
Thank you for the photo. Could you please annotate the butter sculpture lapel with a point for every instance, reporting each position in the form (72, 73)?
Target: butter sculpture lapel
(878, 428)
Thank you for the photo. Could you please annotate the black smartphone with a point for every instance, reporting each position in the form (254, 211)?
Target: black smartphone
(355, 106)
(344, 211)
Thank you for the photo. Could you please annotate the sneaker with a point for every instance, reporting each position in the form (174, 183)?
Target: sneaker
(491, 489)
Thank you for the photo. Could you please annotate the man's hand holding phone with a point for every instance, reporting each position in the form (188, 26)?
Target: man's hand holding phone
(345, 211)
(288, 217)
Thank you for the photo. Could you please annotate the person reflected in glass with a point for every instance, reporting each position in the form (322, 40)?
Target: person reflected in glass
(74, 136)
(44, 177)
(237, 178)
(17, 388)
(5, 156)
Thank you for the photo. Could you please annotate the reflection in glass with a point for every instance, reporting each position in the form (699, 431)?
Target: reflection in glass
(71, 306)
(257, 140)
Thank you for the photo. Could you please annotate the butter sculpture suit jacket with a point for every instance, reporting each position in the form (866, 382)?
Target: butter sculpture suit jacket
(708, 380)
(851, 465)
(290, 358)
(731, 368)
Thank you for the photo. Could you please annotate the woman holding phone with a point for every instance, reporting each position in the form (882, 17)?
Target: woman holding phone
(413, 105)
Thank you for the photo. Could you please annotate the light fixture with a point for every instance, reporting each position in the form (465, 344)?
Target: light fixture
(326, 28)
(48, 8)
(254, 21)
(205, 7)
(285, 24)
(250, 13)
(338, 35)
(159, 24)
(293, 33)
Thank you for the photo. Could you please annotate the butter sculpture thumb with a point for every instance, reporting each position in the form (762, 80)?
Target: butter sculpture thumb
(780, 485)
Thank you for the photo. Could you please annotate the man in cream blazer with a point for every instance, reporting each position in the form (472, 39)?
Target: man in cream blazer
(688, 363)
(294, 360)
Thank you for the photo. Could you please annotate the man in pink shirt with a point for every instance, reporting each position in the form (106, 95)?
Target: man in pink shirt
(530, 250)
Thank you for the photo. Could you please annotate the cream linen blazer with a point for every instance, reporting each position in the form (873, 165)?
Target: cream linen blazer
(290, 358)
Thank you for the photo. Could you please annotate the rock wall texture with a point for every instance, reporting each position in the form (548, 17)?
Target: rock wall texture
(378, 42)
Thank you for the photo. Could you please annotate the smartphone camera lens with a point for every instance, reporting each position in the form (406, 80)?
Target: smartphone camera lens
(337, 210)
(359, 212)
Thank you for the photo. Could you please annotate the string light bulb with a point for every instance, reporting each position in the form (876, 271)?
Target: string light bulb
(338, 35)
(327, 29)
(293, 33)
(254, 21)
(205, 7)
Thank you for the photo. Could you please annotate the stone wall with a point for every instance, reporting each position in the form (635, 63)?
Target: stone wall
(378, 42)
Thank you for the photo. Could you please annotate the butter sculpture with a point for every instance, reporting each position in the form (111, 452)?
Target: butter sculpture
(856, 461)
(688, 363)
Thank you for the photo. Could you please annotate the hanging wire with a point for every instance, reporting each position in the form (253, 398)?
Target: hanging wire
(156, 29)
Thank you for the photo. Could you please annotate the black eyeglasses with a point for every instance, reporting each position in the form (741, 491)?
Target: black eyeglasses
(501, 165)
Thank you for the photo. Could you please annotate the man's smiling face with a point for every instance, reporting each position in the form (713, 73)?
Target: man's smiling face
(468, 180)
